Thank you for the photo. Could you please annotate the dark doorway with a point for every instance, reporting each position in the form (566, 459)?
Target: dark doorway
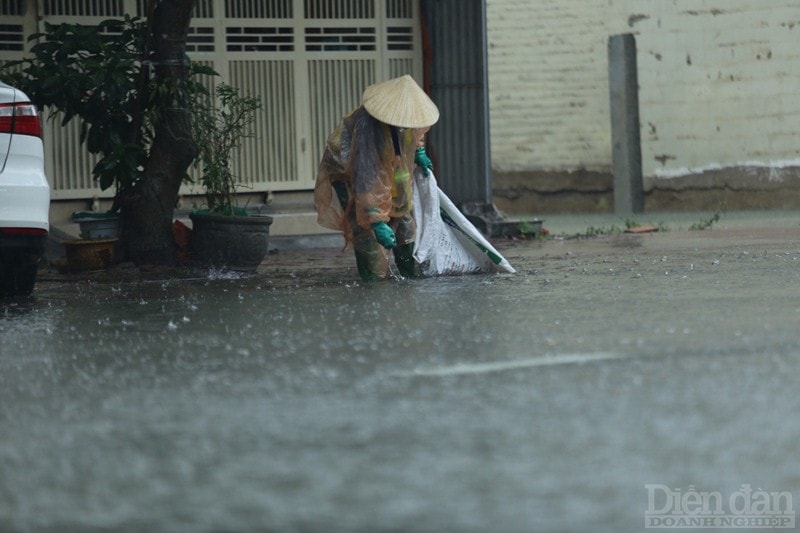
(454, 44)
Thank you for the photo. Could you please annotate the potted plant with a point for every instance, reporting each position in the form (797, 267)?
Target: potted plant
(97, 247)
(131, 87)
(99, 238)
(224, 235)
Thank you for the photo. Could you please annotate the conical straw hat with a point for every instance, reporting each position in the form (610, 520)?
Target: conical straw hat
(400, 102)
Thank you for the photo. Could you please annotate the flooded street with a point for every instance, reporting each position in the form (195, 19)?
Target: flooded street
(303, 400)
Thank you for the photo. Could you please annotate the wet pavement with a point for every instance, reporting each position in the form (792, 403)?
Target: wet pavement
(556, 399)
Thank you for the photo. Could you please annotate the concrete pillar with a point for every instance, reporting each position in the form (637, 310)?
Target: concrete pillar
(625, 140)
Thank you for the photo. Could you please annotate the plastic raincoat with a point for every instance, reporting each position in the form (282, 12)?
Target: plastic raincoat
(365, 176)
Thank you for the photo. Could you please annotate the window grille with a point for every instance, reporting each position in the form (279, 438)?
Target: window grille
(12, 8)
(260, 9)
(259, 39)
(200, 39)
(308, 60)
(202, 9)
(12, 37)
(270, 154)
(400, 66)
(399, 38)
(339, 9)
(83, 8)
(340, 39)
(70, 165)
(335, 88)
(399, 9)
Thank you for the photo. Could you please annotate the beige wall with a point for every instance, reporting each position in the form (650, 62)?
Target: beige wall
(719, 85)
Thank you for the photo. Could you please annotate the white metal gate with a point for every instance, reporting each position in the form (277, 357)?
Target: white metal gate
(309, 61)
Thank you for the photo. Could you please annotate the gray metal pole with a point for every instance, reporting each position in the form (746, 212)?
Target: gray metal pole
(487, 148)
(625, 140)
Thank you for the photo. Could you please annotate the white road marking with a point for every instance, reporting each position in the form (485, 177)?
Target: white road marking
(498, 366)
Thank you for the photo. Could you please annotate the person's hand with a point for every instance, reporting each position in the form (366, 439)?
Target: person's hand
(384, 234)
(421, 158)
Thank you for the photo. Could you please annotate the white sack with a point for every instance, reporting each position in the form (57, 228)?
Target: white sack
(446, 242)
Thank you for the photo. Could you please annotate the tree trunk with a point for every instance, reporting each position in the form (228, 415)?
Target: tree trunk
(147, 208)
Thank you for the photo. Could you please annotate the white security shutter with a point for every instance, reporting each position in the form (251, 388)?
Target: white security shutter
(308, 60)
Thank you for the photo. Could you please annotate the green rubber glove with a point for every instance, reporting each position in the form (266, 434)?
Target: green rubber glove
(384, 234)
(421, 158)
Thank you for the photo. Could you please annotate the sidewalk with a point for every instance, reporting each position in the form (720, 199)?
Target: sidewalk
(290, 233)
(734, 234)
(572, 224)
(318, 257)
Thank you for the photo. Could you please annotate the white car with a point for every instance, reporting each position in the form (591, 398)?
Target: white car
(24, 193)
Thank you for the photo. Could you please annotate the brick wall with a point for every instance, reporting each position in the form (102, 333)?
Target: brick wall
(719, 92)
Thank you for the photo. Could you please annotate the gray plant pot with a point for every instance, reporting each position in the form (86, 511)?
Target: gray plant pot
(97, 225)
(229, 242)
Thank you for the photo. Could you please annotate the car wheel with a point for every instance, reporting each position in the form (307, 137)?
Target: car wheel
(19, 273)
